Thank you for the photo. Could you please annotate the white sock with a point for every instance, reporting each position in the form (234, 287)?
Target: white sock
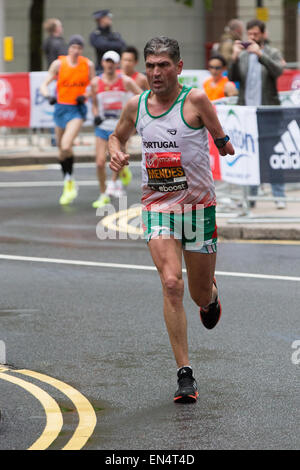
(184, 366)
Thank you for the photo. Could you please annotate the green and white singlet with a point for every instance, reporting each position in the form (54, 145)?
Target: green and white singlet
(175, 159)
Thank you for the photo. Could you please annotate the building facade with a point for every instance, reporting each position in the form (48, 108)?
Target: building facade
(139, 20)
(136, 20)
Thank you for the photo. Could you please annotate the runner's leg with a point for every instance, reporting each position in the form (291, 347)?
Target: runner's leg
(71, 131)
(59, 133)
(70, 190)
(167, 256)
(101, 151)
(200, 270)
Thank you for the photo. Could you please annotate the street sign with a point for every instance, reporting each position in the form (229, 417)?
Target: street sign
(8, 48)
(262, 14)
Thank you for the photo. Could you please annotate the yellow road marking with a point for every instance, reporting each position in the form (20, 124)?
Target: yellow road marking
(22, 168)
(86, 413)
(54, 420)
(120, 221)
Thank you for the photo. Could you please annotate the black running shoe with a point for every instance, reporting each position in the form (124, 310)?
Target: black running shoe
(187, 386)
(211, 317)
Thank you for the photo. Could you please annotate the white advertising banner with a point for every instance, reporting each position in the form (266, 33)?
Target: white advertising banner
(194, 78)
(240, 123)
(41, 113)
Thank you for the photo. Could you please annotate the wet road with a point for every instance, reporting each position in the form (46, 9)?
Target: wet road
(99, 328)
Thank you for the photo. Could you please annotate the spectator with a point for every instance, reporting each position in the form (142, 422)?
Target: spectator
(103, 39)
(218, 86)
(55, 44)
(129, 60)
(257, 66)
(233, 31)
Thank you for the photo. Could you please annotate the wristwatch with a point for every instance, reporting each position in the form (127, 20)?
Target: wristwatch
(221, 142)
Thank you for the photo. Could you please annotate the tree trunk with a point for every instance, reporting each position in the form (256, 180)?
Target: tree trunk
(36, 18)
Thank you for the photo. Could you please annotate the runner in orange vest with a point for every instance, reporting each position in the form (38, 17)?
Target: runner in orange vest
(73, 73)
(218, 86)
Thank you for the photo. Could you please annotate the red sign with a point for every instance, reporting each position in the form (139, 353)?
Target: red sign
(15, 100)
(214, 159)
(289, 80)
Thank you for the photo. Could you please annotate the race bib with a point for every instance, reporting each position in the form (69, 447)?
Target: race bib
(165, 172)
(112, 110)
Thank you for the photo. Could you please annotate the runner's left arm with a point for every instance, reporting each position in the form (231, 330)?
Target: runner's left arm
(88, 91)
(208, 116)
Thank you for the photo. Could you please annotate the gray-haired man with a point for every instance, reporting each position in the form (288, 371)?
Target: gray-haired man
(173, 121)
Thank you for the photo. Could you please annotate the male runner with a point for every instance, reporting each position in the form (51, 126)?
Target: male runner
(129, 61)
(173, 121)
(73, 73)
(109, 94)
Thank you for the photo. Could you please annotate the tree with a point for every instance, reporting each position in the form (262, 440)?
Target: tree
(36, 18)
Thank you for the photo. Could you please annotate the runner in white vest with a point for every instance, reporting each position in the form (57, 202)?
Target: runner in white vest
(178, 193)
(109, 95)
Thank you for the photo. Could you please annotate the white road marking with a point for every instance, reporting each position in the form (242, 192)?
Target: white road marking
(56, 166)
(41, 184)
(138, 267)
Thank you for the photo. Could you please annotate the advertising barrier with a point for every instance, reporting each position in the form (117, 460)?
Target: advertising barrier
(22, 104)
(15, 100)
(266, 140)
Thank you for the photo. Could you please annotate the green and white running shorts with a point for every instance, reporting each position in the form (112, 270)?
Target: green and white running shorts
(196, 228)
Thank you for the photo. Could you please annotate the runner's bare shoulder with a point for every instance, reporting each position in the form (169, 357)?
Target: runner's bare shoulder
(197, 97)
(132, 105)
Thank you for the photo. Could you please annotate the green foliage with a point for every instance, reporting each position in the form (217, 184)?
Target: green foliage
(190, 3)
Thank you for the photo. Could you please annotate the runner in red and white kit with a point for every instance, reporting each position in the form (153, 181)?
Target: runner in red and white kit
(177, 186)
(129, 61)
(109, 94)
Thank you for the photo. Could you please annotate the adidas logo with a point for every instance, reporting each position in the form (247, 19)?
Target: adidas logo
(287, 152)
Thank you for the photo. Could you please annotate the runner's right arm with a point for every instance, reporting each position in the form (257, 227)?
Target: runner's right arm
(118, 139)
(94, 91)
(52, 75)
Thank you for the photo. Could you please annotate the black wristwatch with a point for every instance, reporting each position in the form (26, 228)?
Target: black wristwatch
(220, 143)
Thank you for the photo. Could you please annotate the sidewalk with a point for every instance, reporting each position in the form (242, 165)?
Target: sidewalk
(276, 224)
(264, 222)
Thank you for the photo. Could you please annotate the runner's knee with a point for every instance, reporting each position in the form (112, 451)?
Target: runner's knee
(100, 164)
(65, 151)
(173, 286)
